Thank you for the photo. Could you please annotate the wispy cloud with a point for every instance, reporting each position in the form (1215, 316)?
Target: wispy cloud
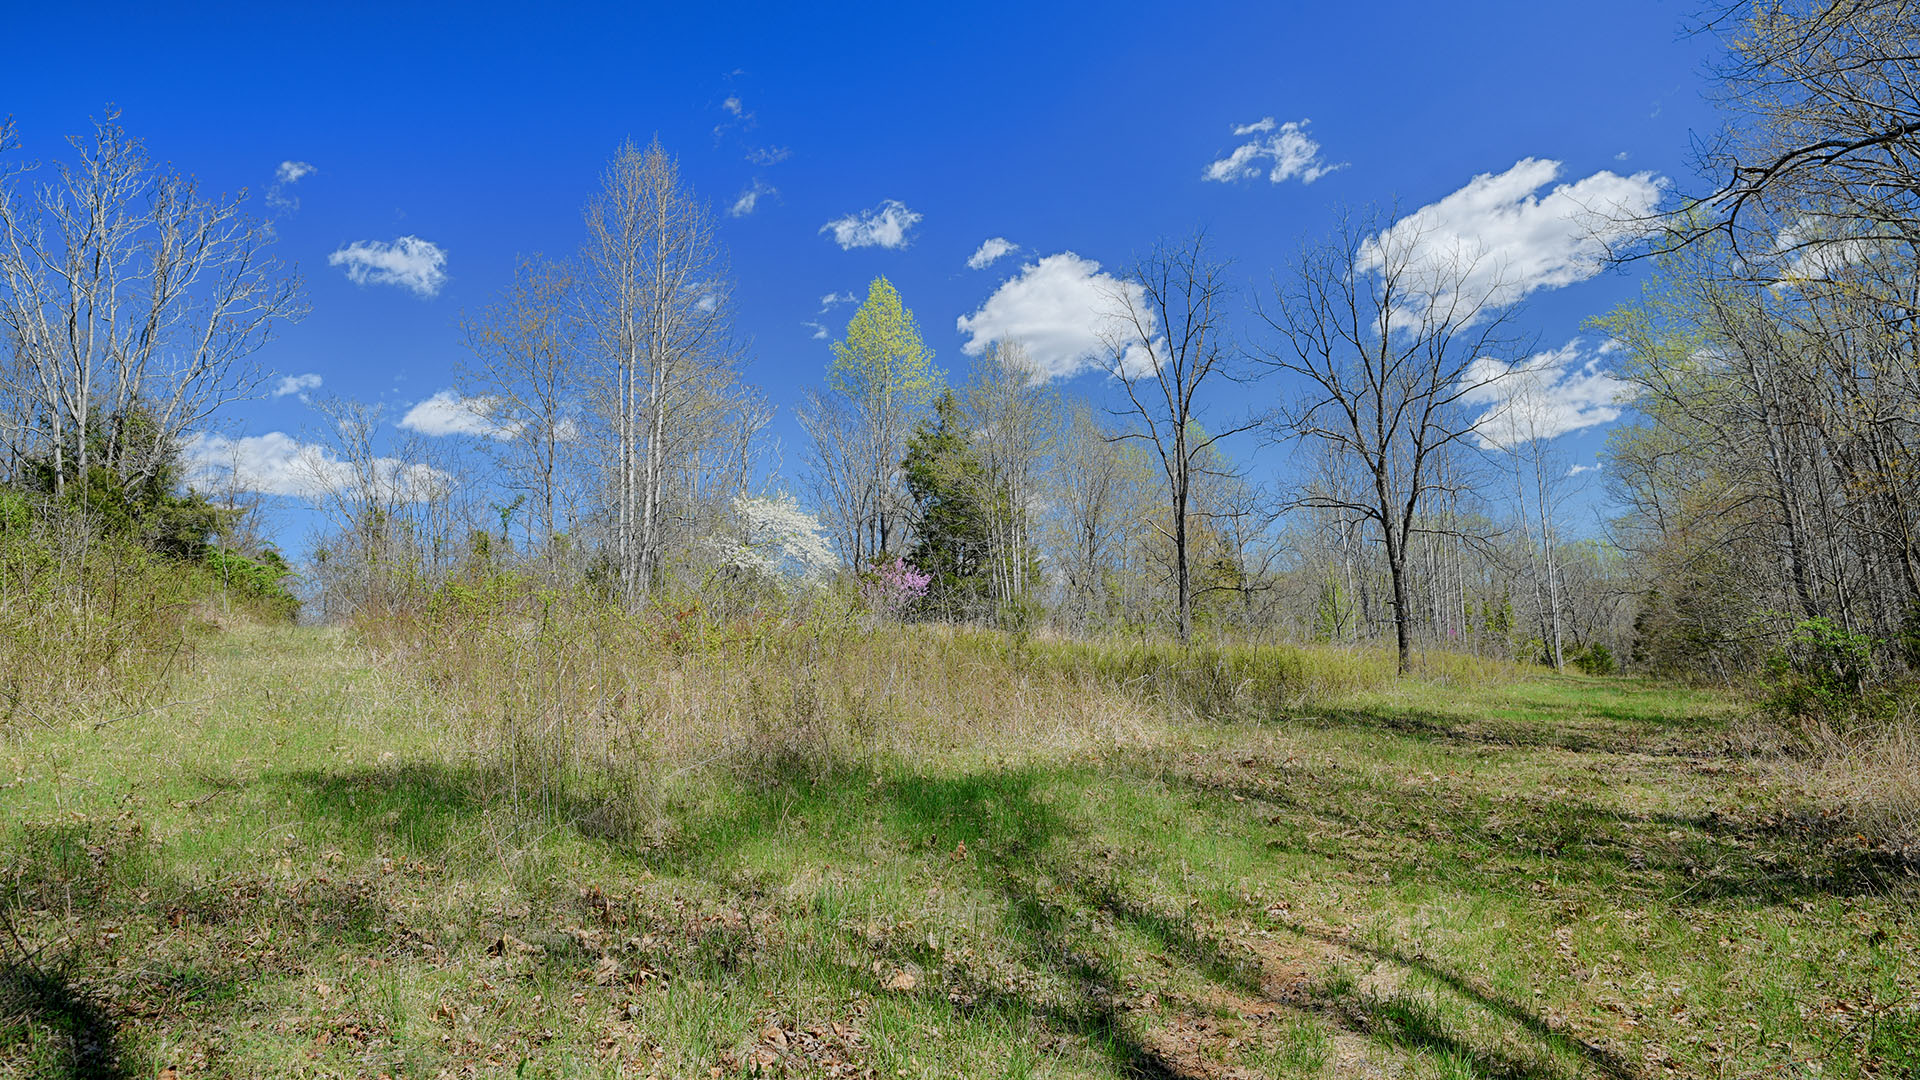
(990, 249)
(409, 263)
(749, 199)
(288, 174)
(835, 299)
(1281, 151)
(768, 155)
(888, 225)
(448, 413)
(295, 384)
(819, 329)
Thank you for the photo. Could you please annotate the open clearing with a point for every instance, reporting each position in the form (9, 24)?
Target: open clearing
(297, 874)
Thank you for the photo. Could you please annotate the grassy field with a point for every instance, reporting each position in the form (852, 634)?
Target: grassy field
(316, 868)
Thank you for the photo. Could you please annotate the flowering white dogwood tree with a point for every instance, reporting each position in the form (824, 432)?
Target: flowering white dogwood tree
(775, 537)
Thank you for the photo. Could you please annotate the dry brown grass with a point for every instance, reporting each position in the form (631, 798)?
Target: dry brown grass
(1866, 775)
(567, 690)
(564, 688)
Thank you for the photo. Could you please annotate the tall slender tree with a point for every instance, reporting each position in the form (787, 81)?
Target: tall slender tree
(657, 297)
(1389, 337)
(133, 303)
(881, 380)
(1166, 341)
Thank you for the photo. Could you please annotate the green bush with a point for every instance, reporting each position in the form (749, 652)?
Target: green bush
(1823, 672)
(261, 581)
(1594, 659)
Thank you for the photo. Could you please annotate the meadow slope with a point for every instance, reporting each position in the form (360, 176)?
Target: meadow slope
(313, 868)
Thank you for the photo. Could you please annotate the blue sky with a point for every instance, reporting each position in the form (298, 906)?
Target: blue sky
(1083, 129)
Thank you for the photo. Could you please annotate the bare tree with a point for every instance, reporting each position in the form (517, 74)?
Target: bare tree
(387, 507)
(1520, 430)
(1166, 341)
(837, 471)
(1011, 413)
(657, 297)
(133, 303)
(1825, 95)
(526, 382)
(1388, 339)
(1093, 495)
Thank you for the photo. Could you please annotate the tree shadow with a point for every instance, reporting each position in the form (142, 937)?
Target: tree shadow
(1407, 1023)
(1718, 858)
(87, 1037)
(1622, 733)
(1019, 847)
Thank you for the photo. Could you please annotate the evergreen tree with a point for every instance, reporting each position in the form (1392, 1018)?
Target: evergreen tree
(953, 516)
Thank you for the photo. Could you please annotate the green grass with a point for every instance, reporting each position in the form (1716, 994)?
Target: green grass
(314, 873)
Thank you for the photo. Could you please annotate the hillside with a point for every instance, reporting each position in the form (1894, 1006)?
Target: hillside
(319, 865)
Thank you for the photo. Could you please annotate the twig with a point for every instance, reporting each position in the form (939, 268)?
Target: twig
(194, 701)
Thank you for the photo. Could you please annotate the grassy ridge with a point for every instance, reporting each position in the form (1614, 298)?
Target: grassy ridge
(326, 871)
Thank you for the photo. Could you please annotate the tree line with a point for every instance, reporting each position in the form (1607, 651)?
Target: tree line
(1765, 477)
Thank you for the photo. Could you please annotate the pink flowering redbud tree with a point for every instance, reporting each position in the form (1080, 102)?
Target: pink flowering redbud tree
(891, 587)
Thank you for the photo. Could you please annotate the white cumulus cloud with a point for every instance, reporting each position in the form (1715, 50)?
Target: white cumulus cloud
(886, 226)
(1281, 151)
(409, 262)
(448, 413)
(291, 172)
(295, 384)
(279, 464)
(1500, 239)
(990, 249)
(1060, 308)
(1545, 395)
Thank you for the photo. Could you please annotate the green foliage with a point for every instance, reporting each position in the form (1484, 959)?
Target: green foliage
(1497, 617)
(882, 363)
(947, 483)
(1594, 659)
(147, 508)
(261, 581)
(1824, 672)
(16, 513)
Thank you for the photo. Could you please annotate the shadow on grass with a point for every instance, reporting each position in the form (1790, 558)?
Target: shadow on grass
(1019, 846)
(1007, 830)
(85, 1040)
(1596, 847)
(1413, 1025)
(1556, 726)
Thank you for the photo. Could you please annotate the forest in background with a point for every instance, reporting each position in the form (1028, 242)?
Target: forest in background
(1763, 521)
(1006, 730)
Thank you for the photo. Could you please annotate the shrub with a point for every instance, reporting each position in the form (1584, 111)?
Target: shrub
(1594, 659)
(89, 623)
(1823, 672)
(260, 582)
